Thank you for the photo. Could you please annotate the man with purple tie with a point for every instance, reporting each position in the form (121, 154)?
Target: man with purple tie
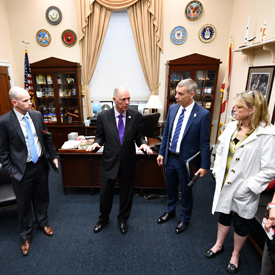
(118, 129)
(187, 131)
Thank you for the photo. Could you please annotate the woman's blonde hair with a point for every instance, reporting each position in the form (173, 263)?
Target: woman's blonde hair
(260, 114)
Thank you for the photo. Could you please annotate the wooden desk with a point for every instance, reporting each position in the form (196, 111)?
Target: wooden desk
(82, 169)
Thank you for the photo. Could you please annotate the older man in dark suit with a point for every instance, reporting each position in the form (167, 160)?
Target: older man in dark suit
(187, 131)
(118, 129)
(23, 144)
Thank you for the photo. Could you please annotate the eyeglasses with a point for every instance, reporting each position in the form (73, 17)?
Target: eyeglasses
(250, 93)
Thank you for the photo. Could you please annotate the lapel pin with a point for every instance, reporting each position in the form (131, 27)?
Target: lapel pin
(195, 115)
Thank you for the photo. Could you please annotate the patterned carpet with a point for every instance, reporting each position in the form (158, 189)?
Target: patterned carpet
(147, 248)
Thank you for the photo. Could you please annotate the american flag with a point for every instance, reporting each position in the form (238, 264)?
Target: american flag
(28, 78)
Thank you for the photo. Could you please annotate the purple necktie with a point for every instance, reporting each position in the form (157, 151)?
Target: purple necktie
(120, 128)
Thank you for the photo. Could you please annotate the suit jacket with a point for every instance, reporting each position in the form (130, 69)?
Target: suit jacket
(13, 148)
(115, 154)
(196, 136)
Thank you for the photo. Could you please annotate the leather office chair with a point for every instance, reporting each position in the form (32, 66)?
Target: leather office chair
(150, 122)
(7, 197)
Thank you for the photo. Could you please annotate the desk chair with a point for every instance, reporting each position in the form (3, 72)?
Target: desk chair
(150, 122)
(7, 197)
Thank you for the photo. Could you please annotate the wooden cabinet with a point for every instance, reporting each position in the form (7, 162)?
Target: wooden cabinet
(203, 69)
(57, 92)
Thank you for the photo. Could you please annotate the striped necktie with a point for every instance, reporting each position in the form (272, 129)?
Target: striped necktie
(120, 128)
(34, 154)
(177, 132)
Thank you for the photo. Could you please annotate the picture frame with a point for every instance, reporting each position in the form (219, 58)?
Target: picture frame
(53, 15)
(105, 105)
(261, 79)
(193, 10)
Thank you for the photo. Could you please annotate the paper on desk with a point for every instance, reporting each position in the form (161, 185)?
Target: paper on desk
(71, 144)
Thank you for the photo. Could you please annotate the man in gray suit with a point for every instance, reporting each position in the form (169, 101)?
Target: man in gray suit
(23, 144)
(119, 156)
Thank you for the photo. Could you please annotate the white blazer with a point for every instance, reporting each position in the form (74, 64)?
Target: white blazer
(251, 170)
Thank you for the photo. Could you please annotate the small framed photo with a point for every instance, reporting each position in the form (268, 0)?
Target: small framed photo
(105, 105)
(261, 79)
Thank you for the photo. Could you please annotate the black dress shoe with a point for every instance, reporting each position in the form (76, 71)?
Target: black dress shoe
(210, 254)
(181, 227)
(123, 228)
(231, 268)
(99, 226)
(165, 217)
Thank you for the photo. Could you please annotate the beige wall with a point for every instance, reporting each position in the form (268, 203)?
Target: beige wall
(6, 53)
(218, 48)
(241, 11)
(21, 19)
(24, 19)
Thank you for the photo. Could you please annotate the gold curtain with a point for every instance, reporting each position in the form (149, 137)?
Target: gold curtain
(94, 20)
(116, 4)
(146, 17)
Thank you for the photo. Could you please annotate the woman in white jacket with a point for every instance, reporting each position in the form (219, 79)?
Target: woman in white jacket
(244, 165)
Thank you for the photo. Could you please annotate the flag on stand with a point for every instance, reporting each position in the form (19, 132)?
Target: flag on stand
(225, 90)
(28, 78)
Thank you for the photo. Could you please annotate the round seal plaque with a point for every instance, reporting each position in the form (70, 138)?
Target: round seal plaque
(207, 33)
(178, 35)
(68, 38)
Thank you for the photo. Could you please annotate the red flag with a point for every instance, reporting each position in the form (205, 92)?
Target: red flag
(225, 90)
(28, 78)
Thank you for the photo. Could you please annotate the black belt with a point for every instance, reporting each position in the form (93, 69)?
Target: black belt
(39, 159)
(175, 153)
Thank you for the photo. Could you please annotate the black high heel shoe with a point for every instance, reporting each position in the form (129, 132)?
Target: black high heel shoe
(210, 254)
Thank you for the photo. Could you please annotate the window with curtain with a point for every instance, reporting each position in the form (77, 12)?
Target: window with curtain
(118, 63)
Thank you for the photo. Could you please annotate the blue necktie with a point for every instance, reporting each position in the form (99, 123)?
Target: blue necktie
(120, 128)
(177, 132)
(34, 154)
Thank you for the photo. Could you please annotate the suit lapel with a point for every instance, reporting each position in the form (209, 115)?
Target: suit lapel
(192, 117)
(14, 121)
(172, 118)
(129, 123)
(36, 126)
(113, 125)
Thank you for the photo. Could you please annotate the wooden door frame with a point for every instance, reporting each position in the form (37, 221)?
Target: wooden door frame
(8, 65)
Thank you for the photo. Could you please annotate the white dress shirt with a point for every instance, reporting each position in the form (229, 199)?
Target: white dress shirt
(187, 113)
(22, 123)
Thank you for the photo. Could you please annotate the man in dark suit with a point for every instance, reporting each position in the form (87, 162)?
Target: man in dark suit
(118, 129)
(187, 131)
(22, 148)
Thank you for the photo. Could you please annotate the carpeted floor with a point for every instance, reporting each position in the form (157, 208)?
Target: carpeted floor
(147, 248)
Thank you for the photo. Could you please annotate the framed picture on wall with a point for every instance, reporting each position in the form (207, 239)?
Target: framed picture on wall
(261, 79)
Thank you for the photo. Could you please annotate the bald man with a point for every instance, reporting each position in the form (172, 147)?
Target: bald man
(23, 144)
(118, 128)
